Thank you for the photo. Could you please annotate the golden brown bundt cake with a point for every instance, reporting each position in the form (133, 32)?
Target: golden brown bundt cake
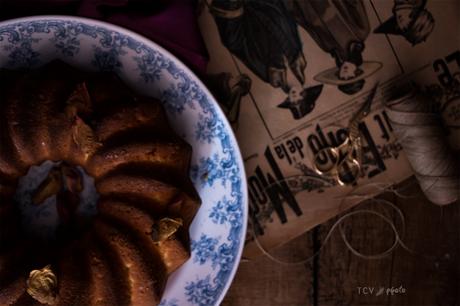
(171, 153)
(90, 124)
(9, 220)
(22, 122)
(13, 291)
(72, 271)
(126, 119)
(14, 266)
(103, 288)
(142, 275)
(153, 194)
(6, 191)
(10, 165)
(141, 224)
(64, 120)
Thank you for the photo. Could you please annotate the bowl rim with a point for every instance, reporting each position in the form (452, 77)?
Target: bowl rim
(154, 45)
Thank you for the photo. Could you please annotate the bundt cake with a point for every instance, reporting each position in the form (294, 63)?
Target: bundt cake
(90, 124)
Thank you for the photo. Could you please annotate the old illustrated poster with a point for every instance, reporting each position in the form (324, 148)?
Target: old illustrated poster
(290, 74)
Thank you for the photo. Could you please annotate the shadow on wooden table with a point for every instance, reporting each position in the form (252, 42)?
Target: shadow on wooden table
(337, 277)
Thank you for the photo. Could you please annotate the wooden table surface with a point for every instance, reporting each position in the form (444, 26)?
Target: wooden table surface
(338, 277)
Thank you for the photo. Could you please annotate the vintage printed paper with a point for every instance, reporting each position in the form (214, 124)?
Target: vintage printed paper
(291, 73)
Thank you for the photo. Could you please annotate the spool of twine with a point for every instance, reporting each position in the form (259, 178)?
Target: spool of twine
(450, 110)
(419, 128)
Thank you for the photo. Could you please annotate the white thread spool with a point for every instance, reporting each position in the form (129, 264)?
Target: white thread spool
(451, 117)
(421, 133)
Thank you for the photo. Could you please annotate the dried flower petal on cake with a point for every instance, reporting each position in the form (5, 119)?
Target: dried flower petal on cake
(165, 228)
(42, 285)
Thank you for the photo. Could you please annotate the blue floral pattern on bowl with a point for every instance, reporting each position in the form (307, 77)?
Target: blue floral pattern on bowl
(219, 228)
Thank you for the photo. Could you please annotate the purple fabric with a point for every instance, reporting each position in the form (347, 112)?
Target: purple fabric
(170, 23)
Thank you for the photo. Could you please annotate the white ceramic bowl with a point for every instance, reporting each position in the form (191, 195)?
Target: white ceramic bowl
(218, 231)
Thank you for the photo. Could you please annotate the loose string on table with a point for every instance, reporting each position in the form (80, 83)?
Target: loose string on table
(419, 128)
(398, 236)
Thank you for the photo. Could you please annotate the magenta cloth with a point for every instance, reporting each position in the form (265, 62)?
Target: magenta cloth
(170, 23)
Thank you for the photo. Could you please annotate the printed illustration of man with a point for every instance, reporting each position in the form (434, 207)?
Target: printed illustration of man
(295, 98)
(410, 19)
(229, 90)
(340, 28)
(263, 35)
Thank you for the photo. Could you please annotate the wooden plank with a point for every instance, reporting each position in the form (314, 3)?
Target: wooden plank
(334, 278)
(344, 278)
(262, 282)
(431, 277)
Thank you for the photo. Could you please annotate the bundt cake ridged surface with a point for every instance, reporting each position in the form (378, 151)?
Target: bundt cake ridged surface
(140, 168)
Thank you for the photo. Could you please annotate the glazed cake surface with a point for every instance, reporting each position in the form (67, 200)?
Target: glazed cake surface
(140, 170)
